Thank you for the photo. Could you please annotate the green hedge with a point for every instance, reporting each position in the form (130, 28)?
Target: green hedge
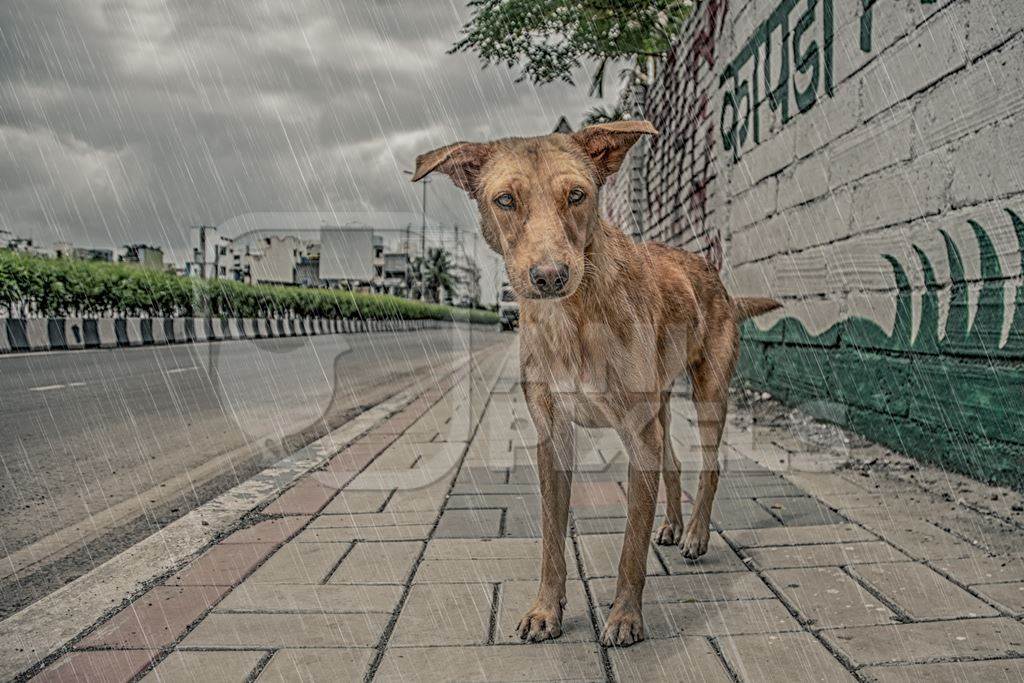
(65, 288)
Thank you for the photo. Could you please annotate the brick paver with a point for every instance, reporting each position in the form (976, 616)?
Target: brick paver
(188, 667)
(354, 573)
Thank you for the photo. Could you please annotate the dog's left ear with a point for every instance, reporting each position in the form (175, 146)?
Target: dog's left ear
(607, 143)
(460, 161)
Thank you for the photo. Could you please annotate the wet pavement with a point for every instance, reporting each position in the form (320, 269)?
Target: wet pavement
(412, 553)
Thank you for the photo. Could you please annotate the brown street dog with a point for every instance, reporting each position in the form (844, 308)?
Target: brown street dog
(607, 327)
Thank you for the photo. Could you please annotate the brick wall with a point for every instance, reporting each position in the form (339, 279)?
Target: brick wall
(864, 166)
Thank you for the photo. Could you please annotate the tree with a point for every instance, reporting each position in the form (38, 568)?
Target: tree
(437, 273)
(603, 115)
(549, 39)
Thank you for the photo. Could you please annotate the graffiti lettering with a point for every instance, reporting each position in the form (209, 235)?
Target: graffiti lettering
(783, 55)
(755, 67)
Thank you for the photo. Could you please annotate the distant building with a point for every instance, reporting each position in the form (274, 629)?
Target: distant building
(143, 255)
(466, 274)
(8, 240)
(395, 273)
(273, 261)
(66, 250)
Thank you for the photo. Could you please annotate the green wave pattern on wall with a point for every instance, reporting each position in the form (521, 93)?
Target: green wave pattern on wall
(954, 399)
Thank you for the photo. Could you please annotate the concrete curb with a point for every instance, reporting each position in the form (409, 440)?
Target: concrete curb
(20, 335)
(47, 625)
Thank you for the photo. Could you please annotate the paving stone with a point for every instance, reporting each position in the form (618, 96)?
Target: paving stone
(156, 619)
(351, 502)
(550, 662)
(110, 666)
(1009, 596)
(274, 631)
(602, 511)
(827, 597)
(782, 657)
(192, 667)
(1006, 671)
(588, 494)
(445, 614)
(920, 592)
(222, 565)
(732, 617)
(490, 549)
(315, 599)
(719, 558)
(981, 569)
(470, 477)
(522, 523)
(855, 501)
(304, 666)
(600, 555)
(516, 597)
(268, 531)
(964, 638)
(406, 532)
(427, 499)
(494, 489)
(690, 588)
(601, 525)
(300, 563)
(474, 501)
(917, 538)
(684, 659)
(824, 484)
(759, 487)
(798, 535)
(833, 554)
(486, 570)
(370, 520)
(801, 511)
(371, 562)
(305, 498)
(469, 524)
(742, 513)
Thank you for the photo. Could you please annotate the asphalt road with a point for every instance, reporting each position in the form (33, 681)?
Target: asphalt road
(84, 431)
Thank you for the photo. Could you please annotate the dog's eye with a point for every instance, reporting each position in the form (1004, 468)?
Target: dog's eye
(576, 195)
(505, 201)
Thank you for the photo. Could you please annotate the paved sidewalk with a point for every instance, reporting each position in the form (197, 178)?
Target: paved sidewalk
(413, 554)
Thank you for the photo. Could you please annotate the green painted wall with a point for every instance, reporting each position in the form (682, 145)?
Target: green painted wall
(953, 397)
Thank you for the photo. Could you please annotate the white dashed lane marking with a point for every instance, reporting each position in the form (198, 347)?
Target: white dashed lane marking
(51, 387)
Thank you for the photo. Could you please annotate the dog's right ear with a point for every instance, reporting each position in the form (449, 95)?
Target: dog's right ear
(460, 161)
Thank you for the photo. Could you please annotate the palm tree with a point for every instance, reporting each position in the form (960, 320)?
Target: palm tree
(437, 273)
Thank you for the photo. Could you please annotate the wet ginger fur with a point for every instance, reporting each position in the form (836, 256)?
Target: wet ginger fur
(607, 325)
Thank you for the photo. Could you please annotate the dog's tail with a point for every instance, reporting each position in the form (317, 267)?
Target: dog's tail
(751, 306)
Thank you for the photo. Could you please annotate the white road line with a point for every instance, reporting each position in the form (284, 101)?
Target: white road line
(175, 371)
(76, 384)
(48, 387)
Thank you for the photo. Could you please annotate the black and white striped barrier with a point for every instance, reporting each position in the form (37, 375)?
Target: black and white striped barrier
(63, 334)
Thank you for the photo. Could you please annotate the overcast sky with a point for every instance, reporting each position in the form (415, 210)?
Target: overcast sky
(130, 120)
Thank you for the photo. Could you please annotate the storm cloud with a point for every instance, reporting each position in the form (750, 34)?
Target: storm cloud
(130, 120)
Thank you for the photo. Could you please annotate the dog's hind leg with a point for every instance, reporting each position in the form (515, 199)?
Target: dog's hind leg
(671, 530)
(710, 396)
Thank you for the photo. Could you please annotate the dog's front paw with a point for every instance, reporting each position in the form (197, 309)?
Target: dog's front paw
(625, 626)
(542, 622)
(695, 542)
(668, 533)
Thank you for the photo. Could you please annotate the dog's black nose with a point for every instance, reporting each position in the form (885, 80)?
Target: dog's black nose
(550, 279)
